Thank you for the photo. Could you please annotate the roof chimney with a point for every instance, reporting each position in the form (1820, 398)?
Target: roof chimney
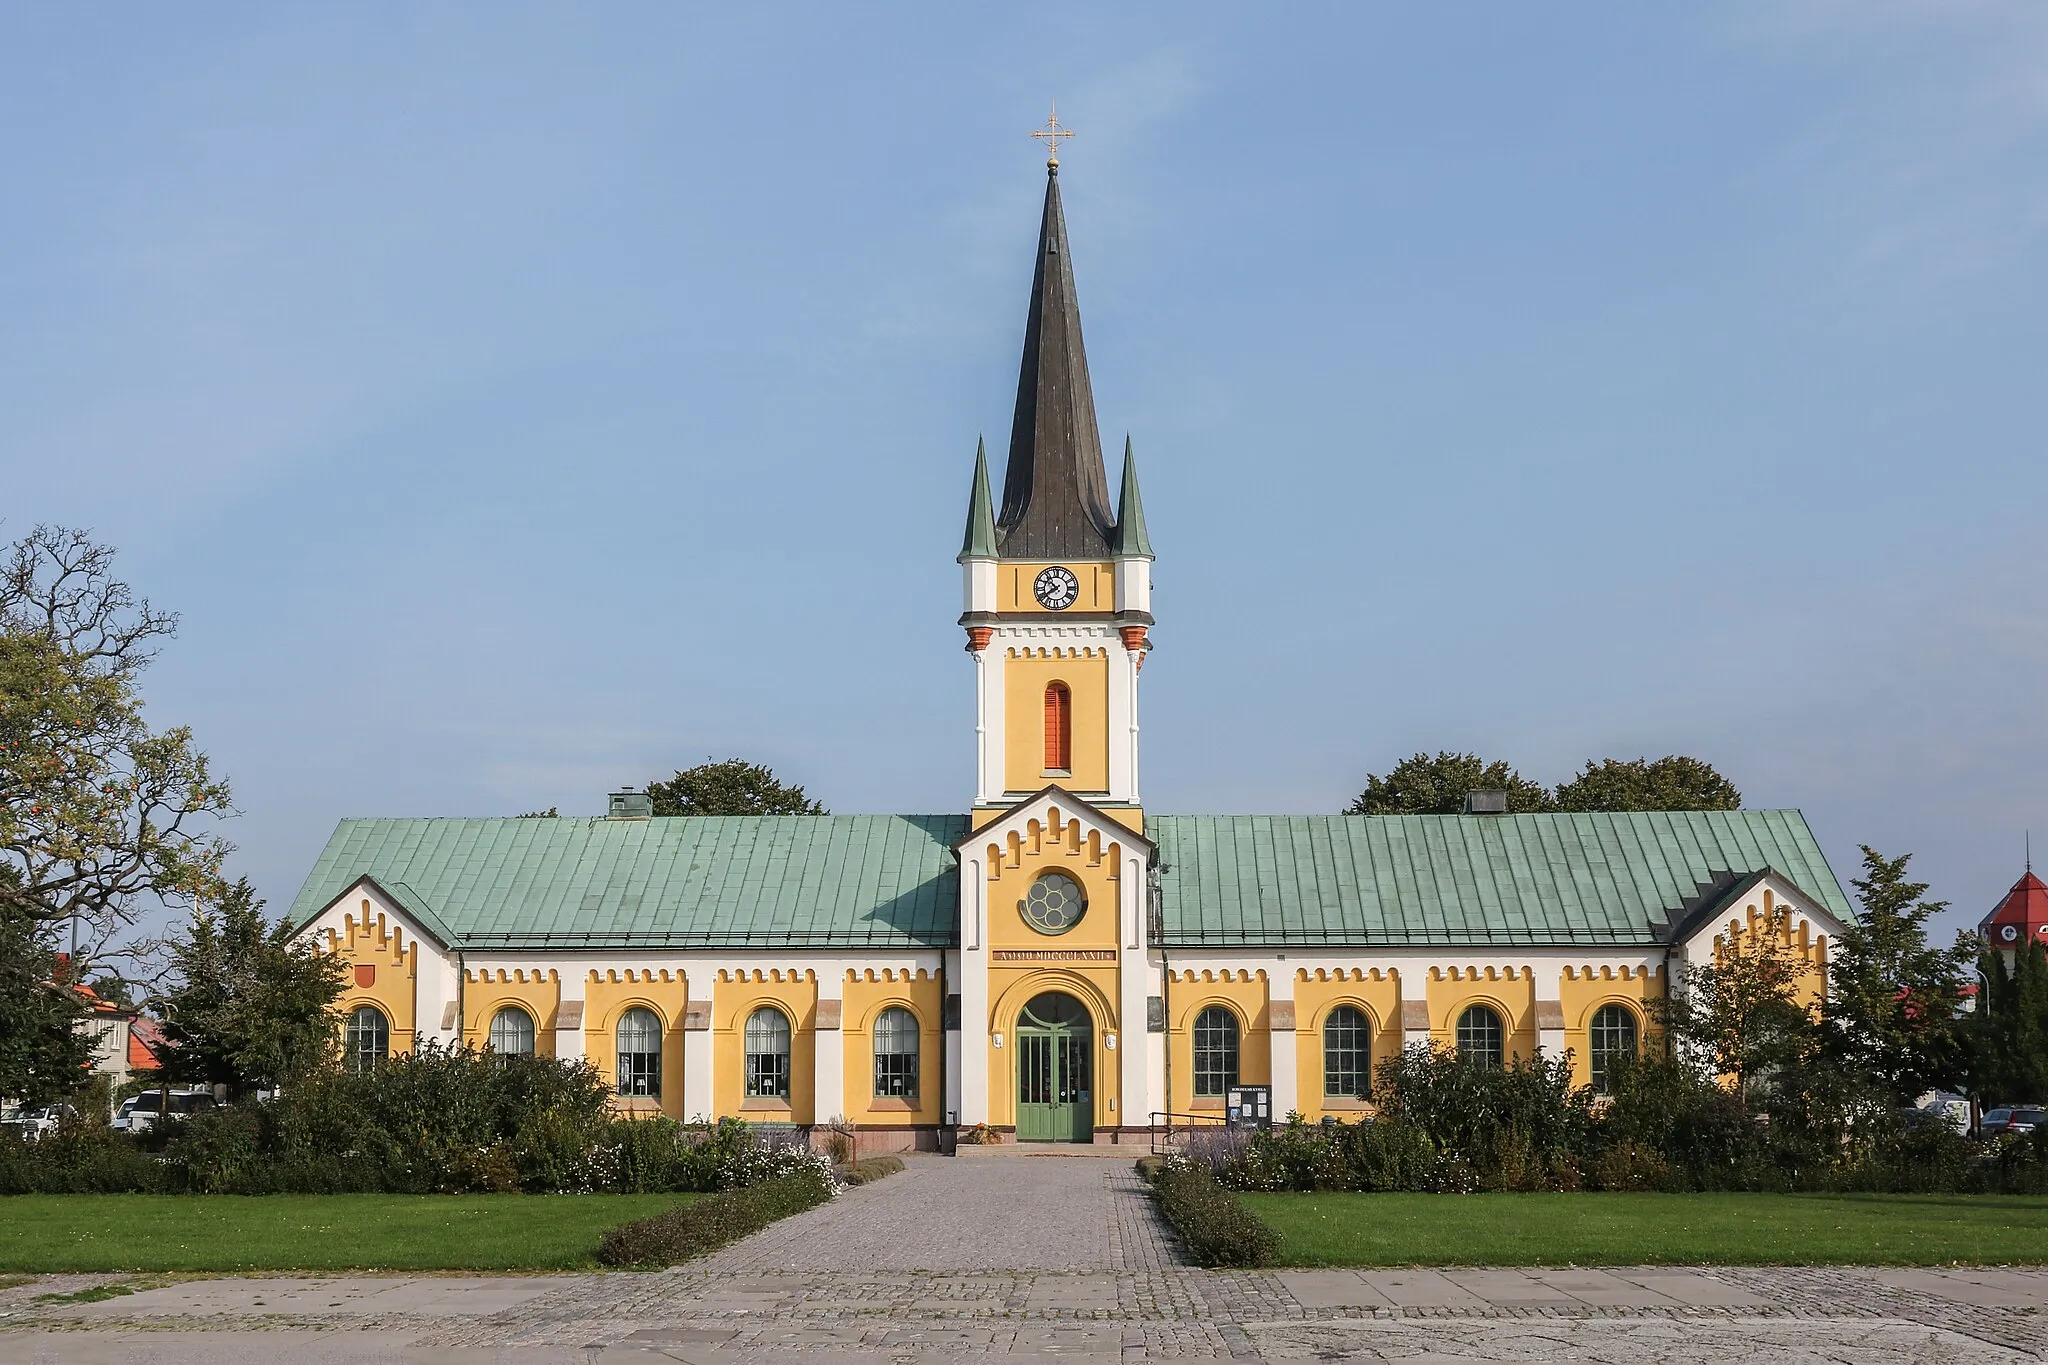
(628, 804)
(1486, 803)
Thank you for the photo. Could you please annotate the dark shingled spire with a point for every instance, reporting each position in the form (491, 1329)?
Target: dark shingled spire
(1055, 492)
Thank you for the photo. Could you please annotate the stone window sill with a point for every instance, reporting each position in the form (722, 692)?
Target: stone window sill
(1348, 1103)
(895, 1104)
(1206, 1103)
(762, 1104)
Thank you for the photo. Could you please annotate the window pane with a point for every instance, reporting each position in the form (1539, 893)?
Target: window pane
(1347, 1053)
(1613, 1038)
(639, 1041)
(1215, 1051)
(512, 1032)
(367, 1040)
(896, 1053)
(767, 1054)
(1479, 1037)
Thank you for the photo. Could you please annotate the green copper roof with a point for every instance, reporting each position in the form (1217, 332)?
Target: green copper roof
(1130, 538)
(980, 540)
(1468, 879)
(671, 882)
(795, 881)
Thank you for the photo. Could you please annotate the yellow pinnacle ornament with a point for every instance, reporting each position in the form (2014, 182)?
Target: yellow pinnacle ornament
(1052, 133)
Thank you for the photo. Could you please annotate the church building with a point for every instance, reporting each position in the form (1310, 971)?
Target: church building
(1054, 960)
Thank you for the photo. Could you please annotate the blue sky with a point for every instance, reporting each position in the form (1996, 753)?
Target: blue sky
(521, 400)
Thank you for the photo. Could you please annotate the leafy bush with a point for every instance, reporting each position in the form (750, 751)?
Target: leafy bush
(78, 1158)
(693, 1229)
(1213, 1223)
(1376, 1155)
(1518, 1127)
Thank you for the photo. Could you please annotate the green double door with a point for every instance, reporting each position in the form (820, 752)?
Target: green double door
(1055, 1067)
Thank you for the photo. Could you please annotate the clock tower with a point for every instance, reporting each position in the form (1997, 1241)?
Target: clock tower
(1058, 585)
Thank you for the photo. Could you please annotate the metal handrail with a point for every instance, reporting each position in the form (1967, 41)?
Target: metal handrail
(1162, 1133)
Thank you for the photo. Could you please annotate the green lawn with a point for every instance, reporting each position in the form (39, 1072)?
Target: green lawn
(1650, 1229)
(111, 1232)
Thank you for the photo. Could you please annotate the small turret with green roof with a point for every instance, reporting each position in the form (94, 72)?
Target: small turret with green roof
(980, 540)
(1130, 540)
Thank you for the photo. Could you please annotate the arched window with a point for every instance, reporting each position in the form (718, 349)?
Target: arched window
(512, 1032)
(1614, 1038)
(1479, 1037)
(367, 1040)
(1215, 1051)
(639, 1036)
(896, 1053)
(767, 1054)
(1059, 729)
(1347, 1053)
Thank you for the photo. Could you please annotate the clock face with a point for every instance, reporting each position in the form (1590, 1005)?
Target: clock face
(1056, 588)
(1054, 904)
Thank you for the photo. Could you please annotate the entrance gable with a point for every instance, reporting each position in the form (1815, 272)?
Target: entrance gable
(1053, 875)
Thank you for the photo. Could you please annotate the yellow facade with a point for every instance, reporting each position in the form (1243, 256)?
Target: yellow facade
(1583, 991)
(1025, 679)
(1015, 580)
(384, 967)
(1316, 993)
(484, 993)
(1082, 962)
(607, 997)
(1451, 991)
(734, 998)
(866, 995)
(1244, 994)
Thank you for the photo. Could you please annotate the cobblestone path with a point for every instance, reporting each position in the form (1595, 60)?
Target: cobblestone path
(1044, 1260)
(984, 1213)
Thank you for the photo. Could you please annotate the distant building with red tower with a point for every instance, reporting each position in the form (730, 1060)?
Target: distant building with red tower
(2021, 918)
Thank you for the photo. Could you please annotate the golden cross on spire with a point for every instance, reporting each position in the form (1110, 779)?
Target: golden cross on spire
(1052, 133)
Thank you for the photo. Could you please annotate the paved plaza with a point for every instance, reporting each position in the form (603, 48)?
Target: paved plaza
(1042, 1259)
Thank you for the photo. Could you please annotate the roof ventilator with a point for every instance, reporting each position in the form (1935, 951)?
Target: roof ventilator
(627, 804)
(1484, 803)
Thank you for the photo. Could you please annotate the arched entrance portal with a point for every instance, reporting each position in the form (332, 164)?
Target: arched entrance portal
(1055, 1070)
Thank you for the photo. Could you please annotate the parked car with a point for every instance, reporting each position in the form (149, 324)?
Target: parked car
(139, 1113)
(33, 1123)
(1941, 1110)
(2016, 1119)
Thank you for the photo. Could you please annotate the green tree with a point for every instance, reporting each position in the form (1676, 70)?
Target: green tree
(1741, 1015)
(1893, 1013)
(44, 1046)
(1421, 785)
(99, 814)
(2009, 1031)
(731, 787)
(252, 1005)
(1673, 782)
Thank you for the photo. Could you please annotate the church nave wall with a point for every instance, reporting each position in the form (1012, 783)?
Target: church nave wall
(608, 997)
(536, 991)
(737, 996)
(866, 996)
